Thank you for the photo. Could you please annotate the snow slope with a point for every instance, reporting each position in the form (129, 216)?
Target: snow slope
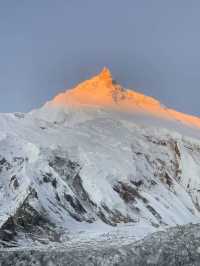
(76, 170)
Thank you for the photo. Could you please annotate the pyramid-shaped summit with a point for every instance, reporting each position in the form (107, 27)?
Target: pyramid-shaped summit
(105, 75)
(101, 91)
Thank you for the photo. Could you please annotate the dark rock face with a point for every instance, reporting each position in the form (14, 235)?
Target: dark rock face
(26, 220)
(177, 246)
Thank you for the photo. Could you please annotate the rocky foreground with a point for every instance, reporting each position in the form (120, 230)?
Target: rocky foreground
(176, 246)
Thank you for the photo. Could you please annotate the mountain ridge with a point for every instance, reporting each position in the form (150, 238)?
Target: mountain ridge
(102, 91)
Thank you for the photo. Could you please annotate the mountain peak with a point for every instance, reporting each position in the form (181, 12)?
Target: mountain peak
(101, 91)
(105, 75)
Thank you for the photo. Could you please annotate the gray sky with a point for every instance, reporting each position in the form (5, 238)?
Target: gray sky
(49, 45)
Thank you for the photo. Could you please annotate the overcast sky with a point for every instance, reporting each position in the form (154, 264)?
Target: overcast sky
(47, 46)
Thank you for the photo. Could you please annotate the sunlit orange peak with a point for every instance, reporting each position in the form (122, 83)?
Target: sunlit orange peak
(101, 91)
(105, 75)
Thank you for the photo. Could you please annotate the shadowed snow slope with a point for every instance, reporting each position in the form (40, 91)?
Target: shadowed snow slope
(97, 159)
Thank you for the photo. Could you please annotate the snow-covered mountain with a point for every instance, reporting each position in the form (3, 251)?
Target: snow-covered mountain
(97, 159)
